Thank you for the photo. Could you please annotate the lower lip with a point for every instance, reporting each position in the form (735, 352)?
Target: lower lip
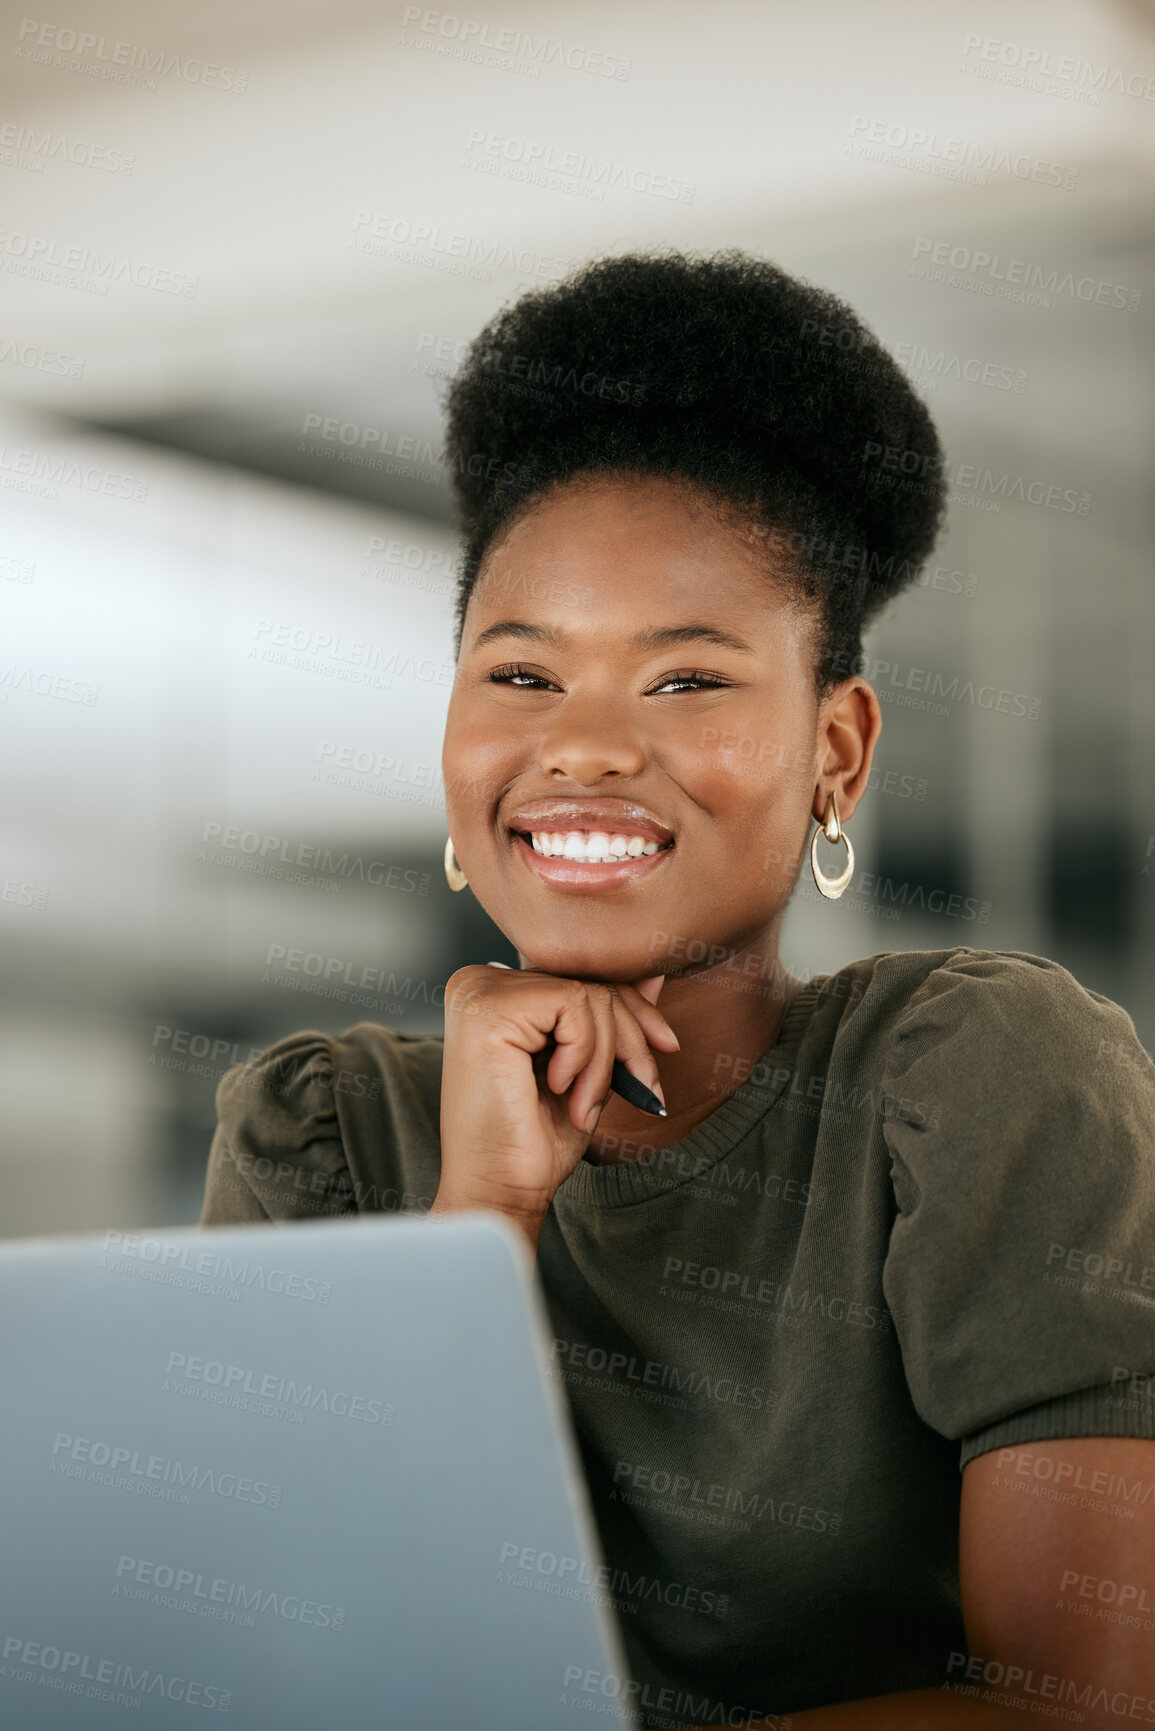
(589, 875)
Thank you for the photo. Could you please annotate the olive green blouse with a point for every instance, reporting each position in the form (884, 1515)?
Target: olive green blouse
(922, 1227)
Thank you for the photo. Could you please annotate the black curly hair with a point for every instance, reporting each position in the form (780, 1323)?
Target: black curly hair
(767, 395)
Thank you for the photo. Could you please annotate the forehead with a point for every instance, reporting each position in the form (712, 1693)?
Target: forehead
(624, 547)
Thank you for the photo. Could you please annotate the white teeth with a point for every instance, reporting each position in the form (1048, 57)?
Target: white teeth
(598, 845)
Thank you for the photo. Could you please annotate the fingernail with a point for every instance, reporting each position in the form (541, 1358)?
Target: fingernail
(657, 1089)
(592, 1119)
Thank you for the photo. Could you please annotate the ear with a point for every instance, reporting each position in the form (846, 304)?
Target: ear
(850, 721)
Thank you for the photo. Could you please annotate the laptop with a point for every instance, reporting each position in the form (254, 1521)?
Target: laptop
(317, 1478)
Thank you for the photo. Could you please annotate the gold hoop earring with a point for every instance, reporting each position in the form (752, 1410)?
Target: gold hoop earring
(454, 875)
(832, 888)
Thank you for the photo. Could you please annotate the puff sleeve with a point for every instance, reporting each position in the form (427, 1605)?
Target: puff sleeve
(1019, 1116)
(277, 1151)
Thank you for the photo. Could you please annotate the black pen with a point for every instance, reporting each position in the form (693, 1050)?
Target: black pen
(622, 1081)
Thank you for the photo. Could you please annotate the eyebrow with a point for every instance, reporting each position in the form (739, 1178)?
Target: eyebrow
(656, 637)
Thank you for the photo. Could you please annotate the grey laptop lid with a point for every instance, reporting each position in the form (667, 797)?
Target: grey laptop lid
(309, 1477)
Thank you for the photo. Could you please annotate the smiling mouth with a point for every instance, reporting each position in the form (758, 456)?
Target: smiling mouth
(572, 876)
(619, 849)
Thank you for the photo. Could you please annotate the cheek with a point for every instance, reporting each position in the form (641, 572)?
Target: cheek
(754, 752)
(757, 783)
(755, 773)
(476, 766)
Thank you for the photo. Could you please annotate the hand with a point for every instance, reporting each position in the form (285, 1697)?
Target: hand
(526, 1073)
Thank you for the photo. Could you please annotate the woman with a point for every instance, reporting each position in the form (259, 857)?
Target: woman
(821, 1322)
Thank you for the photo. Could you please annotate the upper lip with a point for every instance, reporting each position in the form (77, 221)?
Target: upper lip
(611, 816)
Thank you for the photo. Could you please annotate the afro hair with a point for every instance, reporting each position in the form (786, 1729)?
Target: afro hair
(768, 395)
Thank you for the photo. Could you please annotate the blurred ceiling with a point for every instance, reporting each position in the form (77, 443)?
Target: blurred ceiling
(344, 199)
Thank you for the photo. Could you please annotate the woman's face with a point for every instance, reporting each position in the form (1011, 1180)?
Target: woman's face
(567, 700)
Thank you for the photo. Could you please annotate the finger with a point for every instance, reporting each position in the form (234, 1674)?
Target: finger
(633, 1050)
(575, 1033)
(651, 1020)
(592, 1084)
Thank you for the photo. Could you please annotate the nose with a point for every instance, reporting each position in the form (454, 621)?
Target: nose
(591, 740)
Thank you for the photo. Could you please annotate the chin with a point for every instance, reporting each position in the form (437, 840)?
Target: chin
(587, 961)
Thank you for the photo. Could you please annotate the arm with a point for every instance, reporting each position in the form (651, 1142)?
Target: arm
(453, 1201)
(1035, 1571)
(277, 1152)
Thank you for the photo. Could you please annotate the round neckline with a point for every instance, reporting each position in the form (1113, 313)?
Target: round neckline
(664, 1169)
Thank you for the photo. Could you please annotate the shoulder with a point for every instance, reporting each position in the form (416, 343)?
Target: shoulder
(969, 1031)
(912, 998)
(1006, 1055)
(306, 1073)
(1018, 1113)
(313, 1122)
(1027, 1016)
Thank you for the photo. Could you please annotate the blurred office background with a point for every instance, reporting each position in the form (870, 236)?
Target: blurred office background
(241, 249)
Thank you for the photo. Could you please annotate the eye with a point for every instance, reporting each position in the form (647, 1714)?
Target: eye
(704, 681)
(507, 676)
(515, 674)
